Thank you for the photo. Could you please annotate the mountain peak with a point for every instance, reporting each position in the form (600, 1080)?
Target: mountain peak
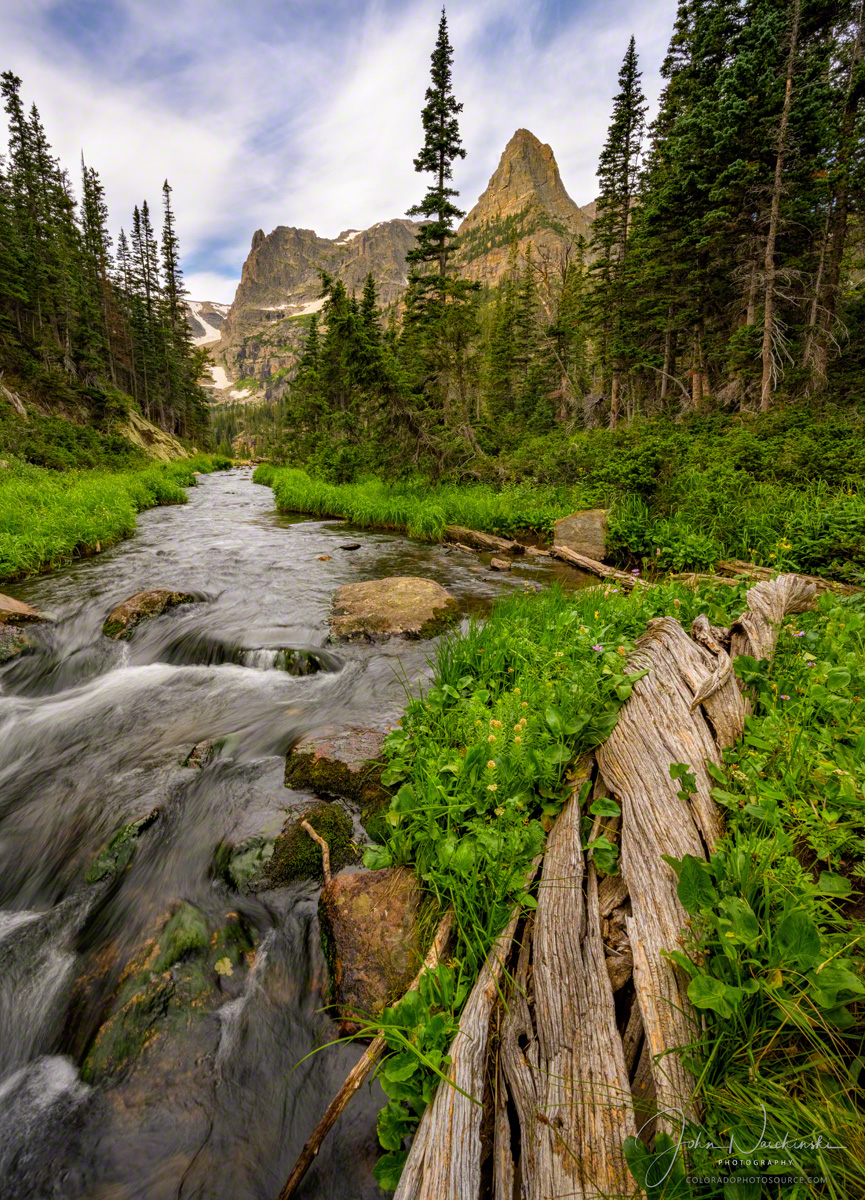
(526, 199)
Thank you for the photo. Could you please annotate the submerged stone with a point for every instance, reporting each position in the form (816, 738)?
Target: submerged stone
(13, 641)
(396, 606)
(123, 619)
(371, 938)
(118, 853)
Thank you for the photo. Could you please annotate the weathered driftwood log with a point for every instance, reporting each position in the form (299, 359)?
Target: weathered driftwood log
(562, 1055)
(756, 631)
(735, 566)
(593, 567)
(693, 579)
(480, 541)
(360, 1072)
(445, 1157)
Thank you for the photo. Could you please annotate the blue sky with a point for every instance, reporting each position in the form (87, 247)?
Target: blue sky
(308, 114)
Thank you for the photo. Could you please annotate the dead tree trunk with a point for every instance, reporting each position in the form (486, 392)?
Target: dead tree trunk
(774, 215)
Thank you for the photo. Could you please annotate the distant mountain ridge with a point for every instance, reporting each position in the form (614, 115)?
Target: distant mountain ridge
(263, 331)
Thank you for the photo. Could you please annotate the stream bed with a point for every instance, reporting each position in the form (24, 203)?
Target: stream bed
(93, 735)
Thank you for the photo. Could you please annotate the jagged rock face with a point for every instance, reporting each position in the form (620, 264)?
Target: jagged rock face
(205, 320)
(264, 331)
(526, 198)
(280, 287)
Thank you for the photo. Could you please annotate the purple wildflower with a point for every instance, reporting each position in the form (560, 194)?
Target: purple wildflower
(810, 664)
(598, 648)
(785, 697)
(634, 571)
(801, 633)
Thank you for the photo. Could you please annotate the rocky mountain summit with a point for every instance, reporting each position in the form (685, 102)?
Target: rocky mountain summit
(262, 333)
(524, 200)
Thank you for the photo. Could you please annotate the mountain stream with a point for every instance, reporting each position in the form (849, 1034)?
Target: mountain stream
(93, 735)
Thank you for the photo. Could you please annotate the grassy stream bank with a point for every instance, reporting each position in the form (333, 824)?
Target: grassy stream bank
(479, 766)
(49, 517)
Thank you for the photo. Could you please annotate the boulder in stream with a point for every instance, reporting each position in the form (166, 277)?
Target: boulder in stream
(371, 937)
(123, 619)
(583, 533)
(382, 608)
(295, 854)
(345, 763)
(15, 612)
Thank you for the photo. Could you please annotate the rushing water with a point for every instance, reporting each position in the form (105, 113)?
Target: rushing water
(92, 736)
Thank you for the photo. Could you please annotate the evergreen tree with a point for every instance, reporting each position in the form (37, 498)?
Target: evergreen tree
(617, 175)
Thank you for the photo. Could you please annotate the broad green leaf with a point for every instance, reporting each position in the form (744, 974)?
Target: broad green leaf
(834, 885)
(837, 678)
(388, 1169)
(393, 1125)
(375, 858)
(707, 992)
(695, 890)
(742, 918)
(799, 939)
(399, 1067)
(555, 719)
(404, 800)
(605, 806)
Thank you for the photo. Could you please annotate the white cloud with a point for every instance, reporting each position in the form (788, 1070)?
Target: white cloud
(287, 113)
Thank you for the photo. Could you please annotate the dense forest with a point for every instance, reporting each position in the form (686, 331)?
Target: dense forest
(722, 275)
(88, 330)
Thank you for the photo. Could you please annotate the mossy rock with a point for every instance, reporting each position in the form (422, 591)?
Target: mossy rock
(397, 606)
(176, 979)
(297, 856)
(118, 853)
(123, 620)
(242, 867)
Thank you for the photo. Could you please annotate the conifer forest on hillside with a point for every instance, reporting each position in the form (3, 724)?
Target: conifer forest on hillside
(432, 757)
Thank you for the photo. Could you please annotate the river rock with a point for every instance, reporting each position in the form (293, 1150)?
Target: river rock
(386, 607)
(583, 533)
(342, 763)
(295, 854)
(141, 607)
(13, 641)
(370, 933)
(14, 612)
(500, 564)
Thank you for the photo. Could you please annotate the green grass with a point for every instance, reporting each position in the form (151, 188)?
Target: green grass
(419, 509)
(479, 767)
(47, 518)
(675, 501)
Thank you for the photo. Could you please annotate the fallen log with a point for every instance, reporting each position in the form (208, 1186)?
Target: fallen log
(593, 567)
(562, 1055)
(445, 1156)
(736, 566)
(360, 1072)
(480, 541)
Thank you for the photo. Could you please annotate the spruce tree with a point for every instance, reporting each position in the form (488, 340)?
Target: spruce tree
(442, 146)
(617, 176)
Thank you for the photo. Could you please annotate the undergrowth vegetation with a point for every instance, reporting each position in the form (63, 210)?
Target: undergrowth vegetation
(780, 490)
(48, 518)
(480, 767)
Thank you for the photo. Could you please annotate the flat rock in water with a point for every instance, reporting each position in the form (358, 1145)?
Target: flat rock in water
(141, 607)
(386, 607)
(369, 924)
(344, 764)
(14, 612)
(351, 546)
(583, 533)
(500, 564)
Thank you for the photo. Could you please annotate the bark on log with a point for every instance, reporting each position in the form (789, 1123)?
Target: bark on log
(657, 726)
(735, 566)
(756, 631)
(480, 541)
(360, 1072)
(562, 1054)
(593, 567)
(445, 1156)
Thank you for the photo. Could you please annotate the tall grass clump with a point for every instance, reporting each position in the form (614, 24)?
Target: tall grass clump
(422, 510)
(47, 517)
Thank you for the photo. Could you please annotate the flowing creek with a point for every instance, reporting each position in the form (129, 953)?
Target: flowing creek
(93, 735)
